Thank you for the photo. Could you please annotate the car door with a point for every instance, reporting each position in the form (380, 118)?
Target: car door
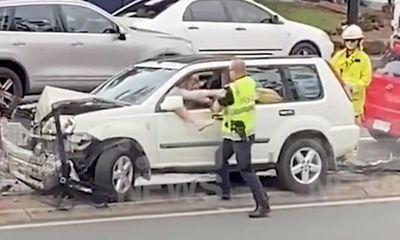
(35, 39)
(268, 120)
(96, 53)
(207, 26)
(181, 144)
(254, 29)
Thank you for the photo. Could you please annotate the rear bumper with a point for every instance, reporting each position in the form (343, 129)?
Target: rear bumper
(375, 112)
(344, 139)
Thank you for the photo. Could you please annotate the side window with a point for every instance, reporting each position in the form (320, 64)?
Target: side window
(146, 8)
(35, 18)
(304, 82)
(244, 12)
(270, 87)
(211, 80)
(4, 19)
(84, 20)
(205, 11)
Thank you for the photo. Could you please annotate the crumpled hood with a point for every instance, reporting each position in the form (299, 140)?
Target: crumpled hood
(52, 95)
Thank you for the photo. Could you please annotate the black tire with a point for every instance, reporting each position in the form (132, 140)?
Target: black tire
(302, 47)
(285, 176)
(104, 171)
(16, 90)
(381, 136)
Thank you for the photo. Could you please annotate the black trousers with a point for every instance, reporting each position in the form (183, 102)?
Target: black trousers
(242, 150)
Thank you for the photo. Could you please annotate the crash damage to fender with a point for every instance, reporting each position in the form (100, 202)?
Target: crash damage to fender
(40, 148)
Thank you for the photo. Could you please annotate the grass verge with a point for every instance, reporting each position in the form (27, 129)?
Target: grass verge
(304, 13)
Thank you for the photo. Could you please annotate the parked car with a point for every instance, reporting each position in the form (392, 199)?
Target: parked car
(241, 27)
(382, 107)
(127, 127)
(70, 43)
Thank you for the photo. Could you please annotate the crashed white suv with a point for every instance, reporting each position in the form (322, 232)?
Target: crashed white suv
(126, 127)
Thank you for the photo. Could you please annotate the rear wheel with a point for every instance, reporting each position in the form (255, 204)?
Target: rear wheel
(10, 87)
(304, 49)
(302, 165)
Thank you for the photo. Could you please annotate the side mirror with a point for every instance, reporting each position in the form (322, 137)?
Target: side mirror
(275, 19)
(172, 103)
(121, 34)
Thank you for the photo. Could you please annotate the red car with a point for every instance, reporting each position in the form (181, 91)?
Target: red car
(382, 107)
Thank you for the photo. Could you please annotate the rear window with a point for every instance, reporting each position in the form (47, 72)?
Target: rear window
(145, 8)
(389, 65)
(304, 82)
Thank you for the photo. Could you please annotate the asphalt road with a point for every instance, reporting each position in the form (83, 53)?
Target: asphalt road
(367, 222)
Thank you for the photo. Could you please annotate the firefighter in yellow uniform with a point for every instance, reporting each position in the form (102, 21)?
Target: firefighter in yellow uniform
(355, 68)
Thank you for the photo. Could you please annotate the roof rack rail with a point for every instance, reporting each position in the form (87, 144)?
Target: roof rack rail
(202, 58)
(218, 57)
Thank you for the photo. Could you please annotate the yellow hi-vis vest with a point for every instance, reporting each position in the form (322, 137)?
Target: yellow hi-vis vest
(243, 108)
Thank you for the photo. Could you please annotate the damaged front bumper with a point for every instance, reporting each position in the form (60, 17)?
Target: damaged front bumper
(36, 167)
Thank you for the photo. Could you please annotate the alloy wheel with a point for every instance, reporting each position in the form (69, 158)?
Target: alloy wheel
(306, 165)
(122, 174)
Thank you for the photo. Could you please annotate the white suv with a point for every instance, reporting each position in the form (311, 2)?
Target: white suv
(127, 125)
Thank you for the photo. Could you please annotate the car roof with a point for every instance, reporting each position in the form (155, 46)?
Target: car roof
(19, 2)
(177, 62)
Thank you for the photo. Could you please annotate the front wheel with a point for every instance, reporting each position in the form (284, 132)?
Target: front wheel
(115, 171)
(302, 165)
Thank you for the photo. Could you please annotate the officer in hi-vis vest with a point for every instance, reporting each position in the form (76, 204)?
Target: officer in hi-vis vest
(238, 122)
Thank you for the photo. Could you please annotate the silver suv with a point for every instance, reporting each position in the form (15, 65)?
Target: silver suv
(71, 44)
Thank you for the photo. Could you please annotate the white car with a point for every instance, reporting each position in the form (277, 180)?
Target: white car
(127, 127)
(240, 27)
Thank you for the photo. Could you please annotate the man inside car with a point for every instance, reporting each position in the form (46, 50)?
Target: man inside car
(190, 91)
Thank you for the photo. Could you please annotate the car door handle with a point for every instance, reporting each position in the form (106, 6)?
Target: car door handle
(286, 112)
(75, 44)
(217, 117)
(240, 29)
(18, 44)
(193, 28)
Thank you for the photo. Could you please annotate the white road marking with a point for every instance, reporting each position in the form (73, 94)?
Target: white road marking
(197, 213)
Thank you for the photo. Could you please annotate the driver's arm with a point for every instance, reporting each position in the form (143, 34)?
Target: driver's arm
(226, 100)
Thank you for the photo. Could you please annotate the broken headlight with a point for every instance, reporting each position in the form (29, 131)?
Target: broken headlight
(78, 142)
(69, 126)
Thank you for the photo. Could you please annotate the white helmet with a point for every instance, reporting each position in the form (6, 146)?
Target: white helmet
(352, 32)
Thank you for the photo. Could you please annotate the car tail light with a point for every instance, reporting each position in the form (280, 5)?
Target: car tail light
(339, 78)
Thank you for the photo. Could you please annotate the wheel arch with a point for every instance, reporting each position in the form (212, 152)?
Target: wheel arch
(313, 134)
(141, 164)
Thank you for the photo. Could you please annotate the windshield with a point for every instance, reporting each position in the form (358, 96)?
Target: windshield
(389, 65)
(145, 8)
(135, 85)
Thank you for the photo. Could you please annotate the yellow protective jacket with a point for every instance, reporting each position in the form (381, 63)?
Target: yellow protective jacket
(356, 71)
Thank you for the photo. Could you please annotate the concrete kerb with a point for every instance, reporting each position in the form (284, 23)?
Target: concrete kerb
(378, 187)
(170, 206)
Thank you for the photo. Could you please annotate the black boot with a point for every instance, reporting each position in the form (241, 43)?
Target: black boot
(262, 209)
